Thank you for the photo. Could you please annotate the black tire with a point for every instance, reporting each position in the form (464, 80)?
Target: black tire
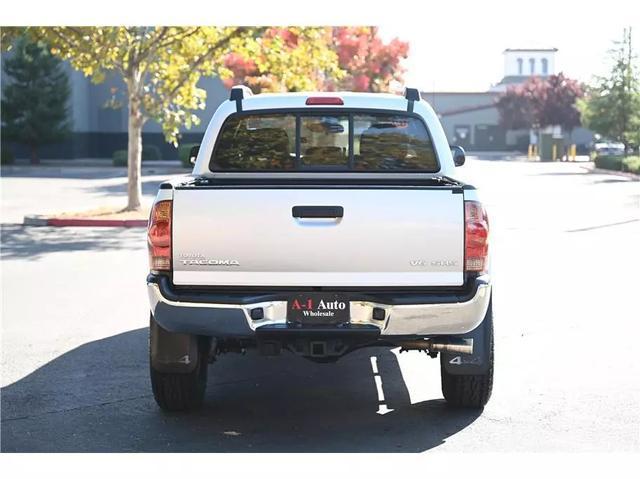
(470, 390)
(181, 391)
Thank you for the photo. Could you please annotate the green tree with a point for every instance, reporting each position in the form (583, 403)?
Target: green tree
(612, 105)
(35, 97)
(161, 67)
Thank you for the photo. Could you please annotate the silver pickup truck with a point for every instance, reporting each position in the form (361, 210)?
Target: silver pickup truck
(317, 224)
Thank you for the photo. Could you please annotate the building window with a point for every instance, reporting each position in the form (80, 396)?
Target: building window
(545, 66)
(532, 65)
(519, 66)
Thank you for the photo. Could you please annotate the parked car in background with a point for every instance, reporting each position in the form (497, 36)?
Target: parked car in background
(608, 149)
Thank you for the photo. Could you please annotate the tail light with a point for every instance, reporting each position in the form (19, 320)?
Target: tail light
(476, 237)
(159, 236)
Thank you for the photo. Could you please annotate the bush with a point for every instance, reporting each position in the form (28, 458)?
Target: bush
(632, 164)
(149, 153)
(120, 158)
(6, 156)
(609, 162)
(183, 154)
(619, 163)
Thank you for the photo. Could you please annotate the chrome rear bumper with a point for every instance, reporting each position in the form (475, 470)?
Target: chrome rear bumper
(234, 320)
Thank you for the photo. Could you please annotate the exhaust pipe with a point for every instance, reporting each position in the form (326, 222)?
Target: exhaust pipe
(460, 346)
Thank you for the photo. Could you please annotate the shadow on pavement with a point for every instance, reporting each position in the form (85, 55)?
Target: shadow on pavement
(56, 172)
(70, 171)
(97, 398)
(149, 187)
(561, 173)
(618, 179)
(497, 156)
(33, 242)
(611, 177)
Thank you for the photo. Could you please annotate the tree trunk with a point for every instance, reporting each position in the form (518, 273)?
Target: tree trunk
(134, 149)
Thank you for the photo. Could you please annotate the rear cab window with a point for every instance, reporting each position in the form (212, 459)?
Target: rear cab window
(321, 140)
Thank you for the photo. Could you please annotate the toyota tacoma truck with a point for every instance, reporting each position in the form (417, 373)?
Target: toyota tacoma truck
(316, 224)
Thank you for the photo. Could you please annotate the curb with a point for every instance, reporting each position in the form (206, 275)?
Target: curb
(82, 222)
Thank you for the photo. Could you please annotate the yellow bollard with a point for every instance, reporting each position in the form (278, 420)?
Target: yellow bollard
(553, 152)
(530, 152)
(573, 152)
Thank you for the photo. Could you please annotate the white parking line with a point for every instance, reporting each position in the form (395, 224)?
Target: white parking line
(379, 388)
(382, 407)
(374, 364)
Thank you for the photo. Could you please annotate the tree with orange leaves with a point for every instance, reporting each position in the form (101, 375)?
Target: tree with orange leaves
(364, 61)
(369, 63)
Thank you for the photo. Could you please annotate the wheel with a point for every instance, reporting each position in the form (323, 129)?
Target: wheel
(471, 390)
(179, 391)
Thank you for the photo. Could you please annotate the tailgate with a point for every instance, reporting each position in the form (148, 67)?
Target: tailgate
(251, 237)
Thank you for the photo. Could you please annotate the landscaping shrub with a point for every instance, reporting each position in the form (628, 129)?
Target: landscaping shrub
(632, 164)
(609, 162)
(183, 154)
(149, 153)
(120, 158)
(6, 157)
(619, 163)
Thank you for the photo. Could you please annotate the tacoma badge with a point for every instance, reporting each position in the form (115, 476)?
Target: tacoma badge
(210, 262)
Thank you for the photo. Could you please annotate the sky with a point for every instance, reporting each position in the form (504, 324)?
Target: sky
(464, 52)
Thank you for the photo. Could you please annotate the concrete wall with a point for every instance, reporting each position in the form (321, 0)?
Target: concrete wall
(443, 102)
(487, 116)
(91, 114)
(469, 119)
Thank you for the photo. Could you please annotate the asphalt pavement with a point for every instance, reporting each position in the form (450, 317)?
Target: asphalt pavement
(565, 258)
(56, 187)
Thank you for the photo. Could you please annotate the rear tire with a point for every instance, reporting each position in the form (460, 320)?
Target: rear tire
(181, 391)
(470, 390)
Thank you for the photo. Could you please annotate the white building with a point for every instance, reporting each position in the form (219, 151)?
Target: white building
(522, 63)
(527, 62)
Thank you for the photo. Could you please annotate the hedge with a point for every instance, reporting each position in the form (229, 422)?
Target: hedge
(149, 153)
(120, 158)
(183, 154)
(619, 163)
(6, 156)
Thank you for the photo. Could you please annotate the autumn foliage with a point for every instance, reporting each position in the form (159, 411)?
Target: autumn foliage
(310, 60)
(365, 62)
(541, 102)
(369, 63)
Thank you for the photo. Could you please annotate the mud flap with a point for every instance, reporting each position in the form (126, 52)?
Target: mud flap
(478, 362)
(172, 352)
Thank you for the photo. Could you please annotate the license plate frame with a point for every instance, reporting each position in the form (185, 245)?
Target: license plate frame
(318, 308)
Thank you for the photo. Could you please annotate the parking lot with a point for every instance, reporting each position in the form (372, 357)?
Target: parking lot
(565, 259)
